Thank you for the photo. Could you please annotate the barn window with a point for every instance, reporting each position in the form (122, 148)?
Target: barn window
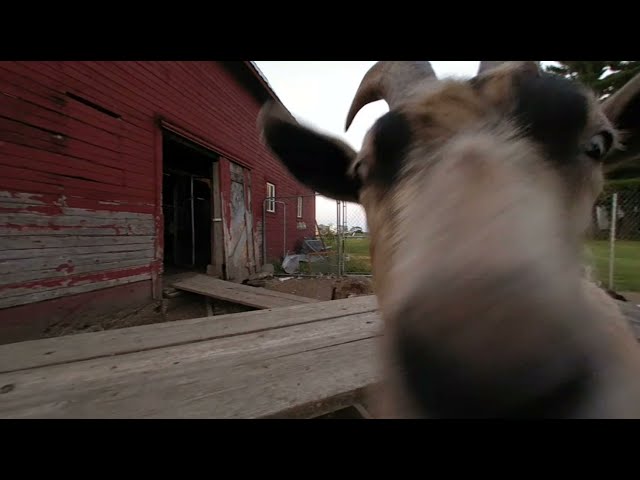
(271, 195)
(299, 207)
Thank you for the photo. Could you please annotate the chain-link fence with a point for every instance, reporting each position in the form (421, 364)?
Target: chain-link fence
(613, 245)
(353, 235)
(313, 235)
(293, 239)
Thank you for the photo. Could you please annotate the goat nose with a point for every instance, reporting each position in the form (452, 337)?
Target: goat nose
(487, 355)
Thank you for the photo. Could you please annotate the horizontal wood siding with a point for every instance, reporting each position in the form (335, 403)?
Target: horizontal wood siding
(79, 190)
(47, 251)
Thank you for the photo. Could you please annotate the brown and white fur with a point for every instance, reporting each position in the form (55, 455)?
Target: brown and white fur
(477, 194)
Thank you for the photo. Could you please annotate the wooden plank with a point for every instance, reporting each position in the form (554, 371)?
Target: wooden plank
(237, 293)
(28, 137)
(79, 197)
(237, 246)
(70, 182)
(84, 346)
(72, 241)
(108, 144)
(26, 88)
(79, 214)
(22, 198)
(24, 296)
(272, 293)
(52, 260)
(44, 158)
(60, 287)
(32, 114)
(66, 225)
(143, 249)
(67, 269)
(217, 234)
(232, 286)
(273, 373)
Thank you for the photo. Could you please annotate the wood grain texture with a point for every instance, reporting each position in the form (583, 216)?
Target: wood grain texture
(238, 293)
(80, 166)
(59, 287)
(295, 362)
(84, 346)
(300, 369)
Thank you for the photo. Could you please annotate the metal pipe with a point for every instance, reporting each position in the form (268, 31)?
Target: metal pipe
(338, 243)
(284, 231)
(264, 227)
(612, 237)
(264, 231)
(193, 227)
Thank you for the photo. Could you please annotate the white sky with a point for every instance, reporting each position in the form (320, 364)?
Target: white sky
(319, 94)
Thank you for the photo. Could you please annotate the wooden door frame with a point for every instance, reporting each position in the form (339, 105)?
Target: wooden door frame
(216, 267)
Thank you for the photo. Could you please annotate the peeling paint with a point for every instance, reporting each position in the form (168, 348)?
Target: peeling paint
(68, 267)
(79, 279)
(62, 201)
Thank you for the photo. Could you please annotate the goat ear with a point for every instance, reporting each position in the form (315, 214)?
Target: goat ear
(316, 160)
(623, 110)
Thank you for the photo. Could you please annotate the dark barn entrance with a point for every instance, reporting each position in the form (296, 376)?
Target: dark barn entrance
(188, 176)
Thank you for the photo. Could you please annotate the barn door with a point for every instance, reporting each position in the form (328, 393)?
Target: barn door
(240, 244)
(183, 251)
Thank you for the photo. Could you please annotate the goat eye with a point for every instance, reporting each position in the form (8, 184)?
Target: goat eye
(358, 170)
(599, 145)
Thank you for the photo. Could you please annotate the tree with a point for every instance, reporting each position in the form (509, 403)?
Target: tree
(604, 77)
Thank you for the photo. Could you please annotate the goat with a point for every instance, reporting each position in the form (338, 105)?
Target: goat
(477, 194)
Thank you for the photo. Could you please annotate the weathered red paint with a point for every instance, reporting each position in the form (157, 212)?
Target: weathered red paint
(157, 266)
(31, 321)
(79, 279)
(49, 210)
(67, 267)
(58, 152)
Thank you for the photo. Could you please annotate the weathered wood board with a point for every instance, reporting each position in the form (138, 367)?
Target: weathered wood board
(237, 293)
(297, 361)
(86, 346)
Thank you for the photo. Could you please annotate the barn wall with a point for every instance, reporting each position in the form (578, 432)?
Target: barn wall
(79, 190)
(275, 225)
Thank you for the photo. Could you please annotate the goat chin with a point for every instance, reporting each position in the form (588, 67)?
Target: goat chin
(613, 392)
(475, 192)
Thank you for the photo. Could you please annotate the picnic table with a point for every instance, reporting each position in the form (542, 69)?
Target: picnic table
(300, 361)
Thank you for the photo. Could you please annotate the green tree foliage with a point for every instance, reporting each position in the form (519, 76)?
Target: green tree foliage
(604, 77)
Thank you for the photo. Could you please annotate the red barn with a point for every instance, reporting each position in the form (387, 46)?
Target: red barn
(115, 172)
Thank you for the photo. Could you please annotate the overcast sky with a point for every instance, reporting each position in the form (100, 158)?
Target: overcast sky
(320, 94)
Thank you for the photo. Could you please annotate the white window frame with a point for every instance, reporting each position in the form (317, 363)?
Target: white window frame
(299, 214)
(271, 194)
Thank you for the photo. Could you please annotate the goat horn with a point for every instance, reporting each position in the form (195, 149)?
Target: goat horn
(388, 81)
(486, 65)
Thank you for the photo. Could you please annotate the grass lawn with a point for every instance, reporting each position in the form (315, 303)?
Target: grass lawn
(626, 272)
(626, 266)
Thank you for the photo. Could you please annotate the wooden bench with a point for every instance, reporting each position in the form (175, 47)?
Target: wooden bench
(302, 361)
(291, 362)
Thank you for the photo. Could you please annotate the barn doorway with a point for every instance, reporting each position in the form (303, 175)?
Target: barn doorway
(188, 202)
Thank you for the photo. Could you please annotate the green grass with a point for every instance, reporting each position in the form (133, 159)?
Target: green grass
(626, 273)
(626, 265)
(357, 251)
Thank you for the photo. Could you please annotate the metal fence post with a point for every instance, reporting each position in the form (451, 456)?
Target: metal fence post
(338, 242)
(612, 237)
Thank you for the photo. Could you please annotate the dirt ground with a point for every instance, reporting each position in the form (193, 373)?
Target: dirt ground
(189, 305)
(322, 288)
